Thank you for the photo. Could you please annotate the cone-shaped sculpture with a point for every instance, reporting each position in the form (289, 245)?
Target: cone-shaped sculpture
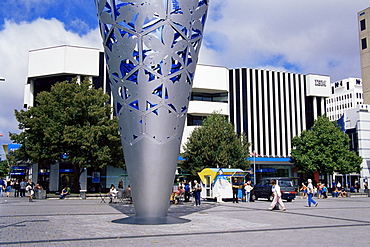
(151, 49)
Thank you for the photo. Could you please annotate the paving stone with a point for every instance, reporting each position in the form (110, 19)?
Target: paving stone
(51, 222)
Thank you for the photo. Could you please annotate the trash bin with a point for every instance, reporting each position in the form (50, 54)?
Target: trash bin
(83, 194)
(367, 191)
(40, 194)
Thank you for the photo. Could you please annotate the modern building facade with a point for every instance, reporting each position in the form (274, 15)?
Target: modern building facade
(345, 94)
(357, 125)
(62, 63)
(364, 35)
(272, 107)
(210, 94)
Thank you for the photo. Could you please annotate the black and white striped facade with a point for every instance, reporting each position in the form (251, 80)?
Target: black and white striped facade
(272, 107)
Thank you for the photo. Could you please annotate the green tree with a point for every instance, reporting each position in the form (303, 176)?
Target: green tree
(324, 148)
(4, 168)
(70, 124)
(215, 144)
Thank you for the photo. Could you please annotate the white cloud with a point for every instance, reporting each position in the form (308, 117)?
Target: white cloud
(15, 42)
(304, 36)
(308, 36)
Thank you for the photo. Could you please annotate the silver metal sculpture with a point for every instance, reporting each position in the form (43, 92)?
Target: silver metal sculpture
(151, 49)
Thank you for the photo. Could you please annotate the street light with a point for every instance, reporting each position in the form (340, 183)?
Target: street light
(254, 166)
(254, 154)
(2, 79)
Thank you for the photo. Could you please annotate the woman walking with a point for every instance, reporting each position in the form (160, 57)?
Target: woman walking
(277, 196)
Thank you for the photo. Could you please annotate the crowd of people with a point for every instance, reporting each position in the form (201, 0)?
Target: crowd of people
(121, 193)
(186, 190)
(20, 187)
(320, 190)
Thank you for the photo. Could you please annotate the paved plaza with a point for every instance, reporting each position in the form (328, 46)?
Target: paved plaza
(75, 222)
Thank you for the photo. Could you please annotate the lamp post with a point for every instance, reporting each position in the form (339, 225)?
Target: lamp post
(2, 79)
(254, 167)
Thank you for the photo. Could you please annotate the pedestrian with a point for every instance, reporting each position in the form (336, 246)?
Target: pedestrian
(22, 190)
(128, 193)
(120, 185)
(2, 186)
(310, 191)
(17, 188)
(196, 191)
(8, 188)
(339, 186)
(112, 193)
(324, 191)
(65, 192)
(187, 191)
(235, 187)
(248, 188)
(244, 194)
(277, 196)
(303, 191)
(357, 186)
(335, 192)
(319, 187)
(30, 192)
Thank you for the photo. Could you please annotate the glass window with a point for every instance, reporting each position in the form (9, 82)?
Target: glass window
(363, 43)
(216, 97)
(286, 183)
(362, 25)
(195, 120)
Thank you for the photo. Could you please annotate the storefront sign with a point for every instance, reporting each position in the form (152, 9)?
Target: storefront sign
(66, 170)
(17, 173)
(96, 177)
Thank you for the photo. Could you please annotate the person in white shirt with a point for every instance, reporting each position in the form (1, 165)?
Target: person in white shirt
(248, 188)
(112, 193)
(310, 194)
(277, 196)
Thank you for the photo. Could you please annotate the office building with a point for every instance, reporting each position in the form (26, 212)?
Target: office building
(345, 94)
(272, 107)
(357, 125)
(364, 35)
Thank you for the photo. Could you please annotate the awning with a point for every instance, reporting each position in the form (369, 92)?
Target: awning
(266, 170)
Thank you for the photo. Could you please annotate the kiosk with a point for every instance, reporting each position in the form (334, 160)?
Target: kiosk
(217, 182)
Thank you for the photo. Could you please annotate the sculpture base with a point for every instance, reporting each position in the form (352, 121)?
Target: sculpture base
(134, 220)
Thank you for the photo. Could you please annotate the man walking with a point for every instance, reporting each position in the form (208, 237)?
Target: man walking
(310, 194)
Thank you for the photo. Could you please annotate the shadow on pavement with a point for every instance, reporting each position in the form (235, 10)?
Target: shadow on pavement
(175, 213)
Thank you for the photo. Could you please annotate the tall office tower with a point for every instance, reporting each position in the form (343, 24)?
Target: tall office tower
(345, 94)
(272, 107)
(364, 34)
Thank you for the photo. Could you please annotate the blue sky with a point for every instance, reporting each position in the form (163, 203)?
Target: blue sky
(77, 15)
(304, 36)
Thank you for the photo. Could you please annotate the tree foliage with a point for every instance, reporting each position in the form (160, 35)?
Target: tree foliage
(4, 168)
(215, 144)
(71, 124)
(324, 148)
